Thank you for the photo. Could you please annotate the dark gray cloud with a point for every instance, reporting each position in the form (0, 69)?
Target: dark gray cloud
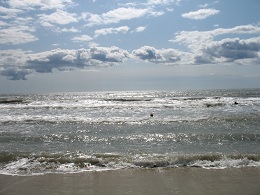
(163, 56)
(229, 50)
(61, 59)
(147, 53)
(81, 58)
(107, 55)
(15, 73)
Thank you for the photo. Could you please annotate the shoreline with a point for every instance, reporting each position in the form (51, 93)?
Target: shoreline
(184, 180)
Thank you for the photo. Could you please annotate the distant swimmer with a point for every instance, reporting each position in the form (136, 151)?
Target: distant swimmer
(151, 115)
(235, 103)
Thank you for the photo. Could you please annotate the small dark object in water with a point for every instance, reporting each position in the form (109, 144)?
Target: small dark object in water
(235, 103)
(151, 115)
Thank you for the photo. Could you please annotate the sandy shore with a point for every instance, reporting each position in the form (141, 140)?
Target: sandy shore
(138, 181)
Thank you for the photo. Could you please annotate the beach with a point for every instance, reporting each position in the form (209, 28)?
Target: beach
(186, 180)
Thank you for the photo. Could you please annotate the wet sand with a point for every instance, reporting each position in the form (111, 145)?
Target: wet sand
(138, 181)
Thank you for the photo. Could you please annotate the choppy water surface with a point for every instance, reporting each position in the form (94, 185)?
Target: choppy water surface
(74, 132)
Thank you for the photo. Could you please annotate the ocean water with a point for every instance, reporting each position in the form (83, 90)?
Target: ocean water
(96, 131)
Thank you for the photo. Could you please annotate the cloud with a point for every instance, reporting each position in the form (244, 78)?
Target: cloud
(108, 55)
(12, 58)
(200, 14)
(72, 29)
(59, 58)
(197, 40)
(165, 2)
(15, 30)
(59, 17)
(162, 56)
(11, 64)
(15, 15)
(105, 31)
(140, 29)
(15, 74)
(239, 51)
(17, 35)
(3, 24)
(41, 4)
(45, 62)
(17, 64)
(117, 15)
(204, 5)
(82, 38)
(7, 13)
(207, 49)
(150, 3)
(230, 50)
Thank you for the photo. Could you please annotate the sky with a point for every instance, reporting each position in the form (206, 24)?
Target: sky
(111, 45)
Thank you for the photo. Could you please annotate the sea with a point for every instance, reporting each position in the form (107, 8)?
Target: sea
(98, 131)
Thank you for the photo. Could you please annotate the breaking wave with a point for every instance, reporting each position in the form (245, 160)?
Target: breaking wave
(35, 164)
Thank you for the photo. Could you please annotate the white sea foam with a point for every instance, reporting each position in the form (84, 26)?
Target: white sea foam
(40, 165)
(226, 163)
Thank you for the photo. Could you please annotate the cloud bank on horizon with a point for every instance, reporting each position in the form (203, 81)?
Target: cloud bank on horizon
(40, 36)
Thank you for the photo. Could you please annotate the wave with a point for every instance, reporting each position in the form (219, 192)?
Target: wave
(136, 138)
(12, 101)
(97, 120)
(130, 118)
(129, 99)
(33, 164)
(196, 98)
(114, 104)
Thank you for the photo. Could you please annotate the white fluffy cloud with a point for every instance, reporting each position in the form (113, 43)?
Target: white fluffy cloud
(12, 58)
(197, 40)
(200, 14)
(42, 4)
(82, 38)
(140, 29)
(21, 29)
(9, 12)
(14, 29)
(155, 2)
(105, 31)
(17, 28)
(17, 35)
(72, 29)
(117, 15)
(59, 17)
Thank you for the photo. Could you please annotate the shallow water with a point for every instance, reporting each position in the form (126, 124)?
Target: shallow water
(74, 132)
